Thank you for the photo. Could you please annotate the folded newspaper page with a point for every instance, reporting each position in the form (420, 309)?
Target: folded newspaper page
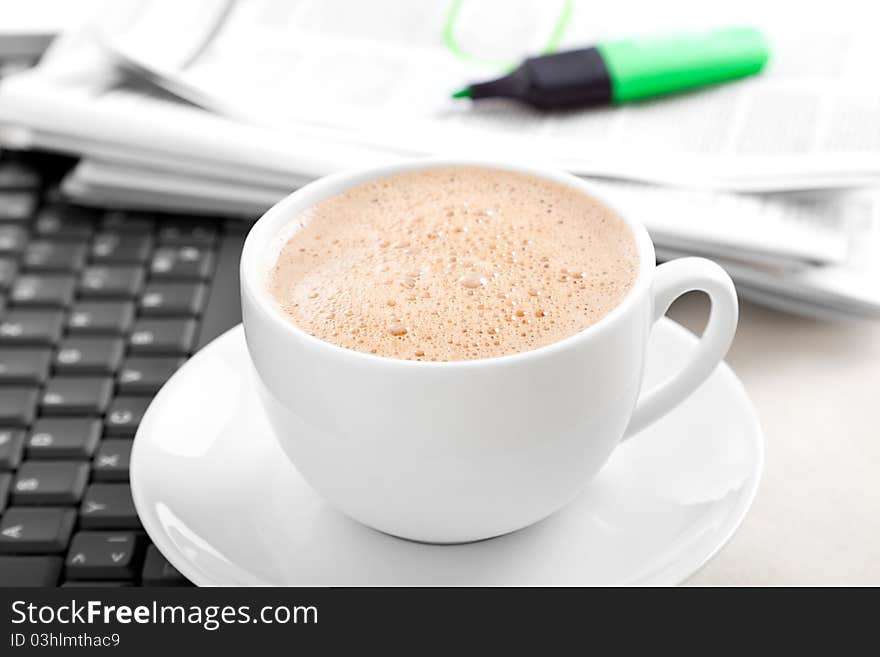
(143, 147)
(381, 72)
(108, 121)
(850, 288)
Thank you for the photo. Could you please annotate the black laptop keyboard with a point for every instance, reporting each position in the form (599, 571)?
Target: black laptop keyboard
(97, 309)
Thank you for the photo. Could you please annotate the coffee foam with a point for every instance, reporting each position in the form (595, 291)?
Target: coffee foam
(453, 263)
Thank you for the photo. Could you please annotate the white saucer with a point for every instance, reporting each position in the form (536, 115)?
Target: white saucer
(225, 506)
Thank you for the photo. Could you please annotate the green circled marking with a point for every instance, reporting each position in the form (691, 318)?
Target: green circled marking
(556, 34)
(562, 22)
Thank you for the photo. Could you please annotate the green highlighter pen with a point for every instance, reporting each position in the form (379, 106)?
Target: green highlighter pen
(630, 69)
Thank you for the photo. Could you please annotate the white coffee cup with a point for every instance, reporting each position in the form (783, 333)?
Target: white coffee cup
(460, 451)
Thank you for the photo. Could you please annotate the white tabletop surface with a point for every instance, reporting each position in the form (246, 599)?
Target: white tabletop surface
(816, 386)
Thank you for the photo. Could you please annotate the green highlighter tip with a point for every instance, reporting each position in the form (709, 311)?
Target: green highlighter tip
(464, 93)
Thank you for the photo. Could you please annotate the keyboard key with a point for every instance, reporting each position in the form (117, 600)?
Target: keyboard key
(31, 571)
(77, 395)
(31, 327)
(24, 364)
(8, 272)
(188, 232)
(112, 460)
(18, 405)
(173, 299)
(121, 247)
(15, 175)
(159, 572)
(64, 438)
(17, 206)
(12, 239)
(182, 263)
(11, 448)
(91, 355)
(52, 196)
(108, 506)
(124, 415)
(146, 375)
(111, 281)
(41, 530)
(50, 482)
(43, 290)
(101, 317)
(103, 555)
(46, 255)
(65, 222)
(5, 485)
(128, 222)
(167, 337)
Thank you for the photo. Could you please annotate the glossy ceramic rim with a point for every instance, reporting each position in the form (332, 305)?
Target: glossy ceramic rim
(262, 244)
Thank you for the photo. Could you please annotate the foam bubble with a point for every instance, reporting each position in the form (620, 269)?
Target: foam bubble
(454, 263)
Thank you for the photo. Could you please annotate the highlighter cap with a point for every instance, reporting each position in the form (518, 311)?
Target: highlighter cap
(653, 66)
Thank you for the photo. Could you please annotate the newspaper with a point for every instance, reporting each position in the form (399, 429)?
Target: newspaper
(850, 288)
(141, 146)
(126, 125)
(381, 73)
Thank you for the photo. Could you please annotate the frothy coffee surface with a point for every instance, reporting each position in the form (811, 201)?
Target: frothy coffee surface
(453, 263)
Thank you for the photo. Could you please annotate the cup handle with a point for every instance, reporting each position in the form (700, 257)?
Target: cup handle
(671, 280)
